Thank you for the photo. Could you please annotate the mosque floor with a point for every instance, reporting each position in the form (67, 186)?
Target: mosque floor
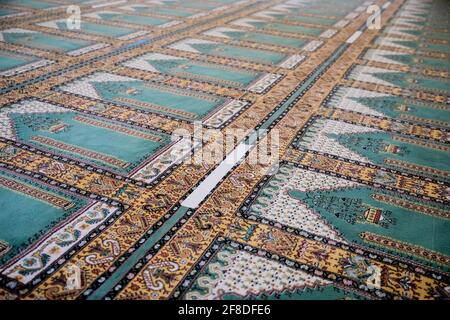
(224, 149)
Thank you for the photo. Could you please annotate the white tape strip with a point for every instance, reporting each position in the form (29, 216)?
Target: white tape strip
(354, 36)
(213, 179)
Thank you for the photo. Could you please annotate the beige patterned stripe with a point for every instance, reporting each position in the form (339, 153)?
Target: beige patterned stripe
(179, 92)
(404, 247)
(417, 168)
(412, 206)
(151, 106)
(88, 153)
(429, 121)
(117, 128)
(36, 193)
(422, 143)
